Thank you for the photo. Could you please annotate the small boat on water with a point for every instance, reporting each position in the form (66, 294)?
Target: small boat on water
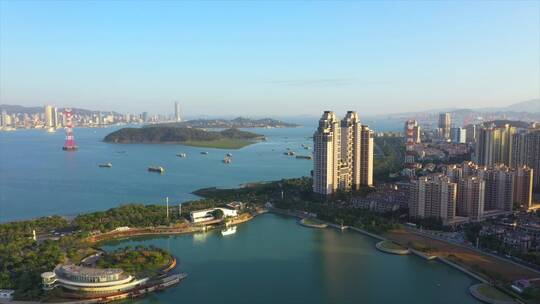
(227, 160)
(158, 169)
(304, 156)
(289, 153)
(230, 230)
(229, 154)
(204, 153)
(107, 165)
(181, 155)
(121, 152)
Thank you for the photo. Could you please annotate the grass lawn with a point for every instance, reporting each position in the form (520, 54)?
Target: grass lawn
(477, 262)
(392, 246)
(220, 143)
(311, 221)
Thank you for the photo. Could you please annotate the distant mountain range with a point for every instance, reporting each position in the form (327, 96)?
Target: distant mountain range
(12, 109)
(239, 122)
(527, 111)
(531, 106)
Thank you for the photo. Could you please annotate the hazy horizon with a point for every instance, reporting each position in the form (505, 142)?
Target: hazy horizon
(269, 58)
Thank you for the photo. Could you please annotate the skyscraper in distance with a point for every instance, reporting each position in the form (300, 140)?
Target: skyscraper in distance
(177, 111)
(51, 116)
(494, 145)
(445, 121)
(458, 135)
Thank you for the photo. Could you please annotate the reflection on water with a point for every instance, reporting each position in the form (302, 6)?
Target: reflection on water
(200, 237)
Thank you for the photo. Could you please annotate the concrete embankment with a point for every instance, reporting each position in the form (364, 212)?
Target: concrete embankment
(423, 255)
(373, 235)
(464, 270)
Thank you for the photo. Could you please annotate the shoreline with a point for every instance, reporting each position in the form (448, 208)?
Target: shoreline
(157, 231)
(189, 228)
(200, 144)
(139, 232)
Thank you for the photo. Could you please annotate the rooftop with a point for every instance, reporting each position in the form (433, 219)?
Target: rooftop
(74, 270)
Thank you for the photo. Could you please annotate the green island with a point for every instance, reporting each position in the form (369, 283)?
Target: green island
(226, 139)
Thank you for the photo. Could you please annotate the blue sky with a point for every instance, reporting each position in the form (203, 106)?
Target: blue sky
(269, 58)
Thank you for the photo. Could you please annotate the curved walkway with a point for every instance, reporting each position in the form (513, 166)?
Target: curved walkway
(392, 248)
(479, 291)
(307, 222)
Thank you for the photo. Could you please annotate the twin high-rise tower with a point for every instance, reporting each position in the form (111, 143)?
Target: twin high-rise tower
(343, 154)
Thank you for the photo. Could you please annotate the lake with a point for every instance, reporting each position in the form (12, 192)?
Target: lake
(272, 259)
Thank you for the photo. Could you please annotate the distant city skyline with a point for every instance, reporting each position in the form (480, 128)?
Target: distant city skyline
(269, 58)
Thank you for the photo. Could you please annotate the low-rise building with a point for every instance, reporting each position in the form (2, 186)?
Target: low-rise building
(207, 214)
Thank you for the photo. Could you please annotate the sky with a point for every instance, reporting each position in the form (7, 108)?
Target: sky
(269, 58)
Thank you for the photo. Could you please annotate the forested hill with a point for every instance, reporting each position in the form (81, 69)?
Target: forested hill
(175, 135)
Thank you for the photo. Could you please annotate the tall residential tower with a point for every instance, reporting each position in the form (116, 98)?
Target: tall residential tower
(343, 154)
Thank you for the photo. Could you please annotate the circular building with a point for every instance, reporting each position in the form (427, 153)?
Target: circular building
(87, 282)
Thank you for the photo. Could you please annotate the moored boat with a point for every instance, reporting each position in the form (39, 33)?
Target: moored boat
(229, 231)
(158, 169)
